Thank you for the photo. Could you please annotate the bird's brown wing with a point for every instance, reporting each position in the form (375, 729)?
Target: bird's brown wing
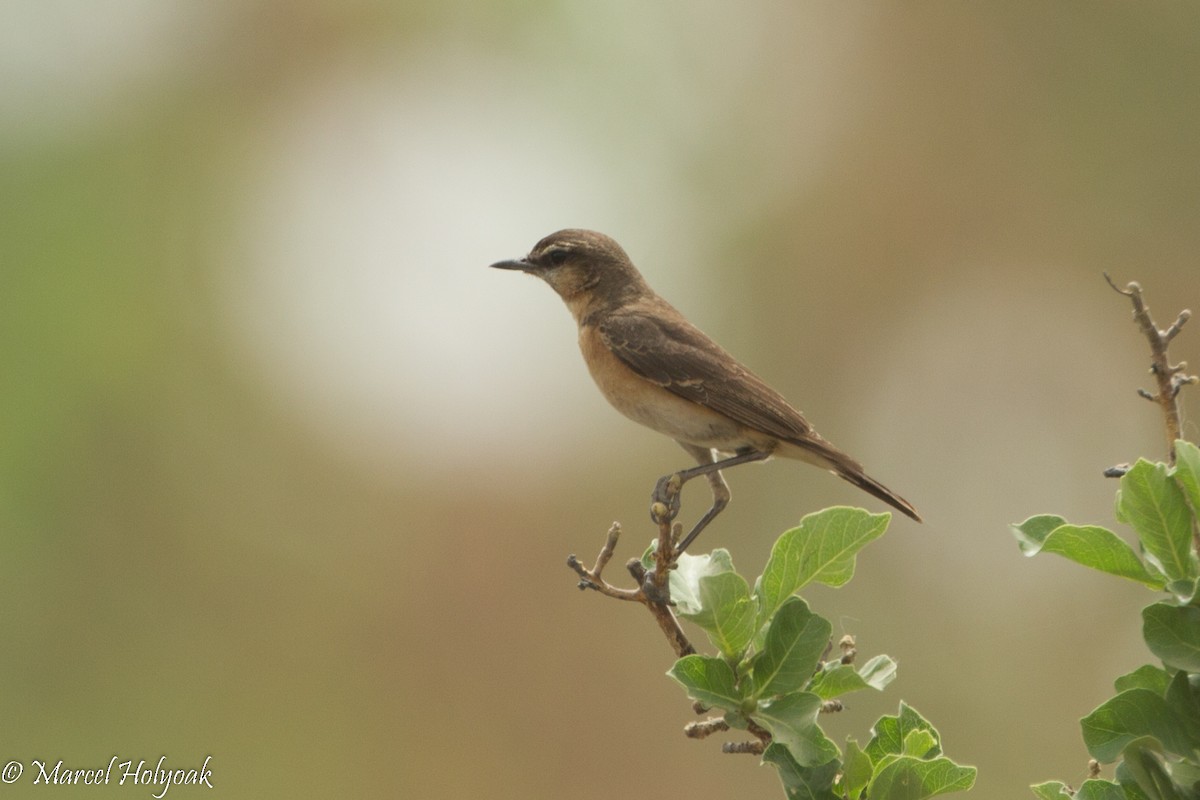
(677, 356)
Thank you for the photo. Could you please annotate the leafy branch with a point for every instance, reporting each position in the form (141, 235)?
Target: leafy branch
(1152, 726)
(775, 671)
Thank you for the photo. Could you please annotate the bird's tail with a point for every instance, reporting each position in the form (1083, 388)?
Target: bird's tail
(874, 487)
(817, 450)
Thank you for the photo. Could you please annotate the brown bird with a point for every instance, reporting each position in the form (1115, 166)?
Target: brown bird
(658, 369)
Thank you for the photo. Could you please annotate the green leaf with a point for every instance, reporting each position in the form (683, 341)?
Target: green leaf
(1186, 773)
(792, 721)
(1051, 790)
(890, 734)
(909, 778)
(919, 743)
(856, 770)
(821, 548)
(1125, 777)
(1183, 698)
(835, 680)
(1146, 676)
(685, 578)
(1033, 531)
(709, 680)
(1095, 789)
(1129, 716)
(802, 783)
(736, 720)
(1173, 634)
(1153, 504)
(839, 679)
(1089, 545)
(795, 640)
(1144, 767)
(726, 612)
(878, 672)
(1187, 471)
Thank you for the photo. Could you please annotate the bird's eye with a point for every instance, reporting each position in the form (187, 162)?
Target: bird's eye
(557, 257)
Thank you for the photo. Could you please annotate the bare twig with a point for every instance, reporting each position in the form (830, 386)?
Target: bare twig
(653, 585)
(1169, 377)
(590, 578)
(759, 731)
(705, 728)
(751, 748)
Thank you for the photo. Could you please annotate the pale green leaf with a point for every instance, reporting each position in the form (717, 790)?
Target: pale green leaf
(1051, 790)
(792, 721)
(857, 770)
(1146, 676)
(836, 680)
(1187, 471)
(1173, 634)
(1089, 545)
(1033, 531)
(689, 570)
(1096, 789)
(726, 612)
(839, 679)
(794, 642)
(1183, 698)
(890, 733)
(1129, 716)
(802, 783)
(918, 743)
(1153, 505)
(878, 672)
(709, 680)
(1144, 774)
(821, 548)
(909, 778)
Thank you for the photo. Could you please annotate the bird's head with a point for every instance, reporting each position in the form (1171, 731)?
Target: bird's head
(584, 267)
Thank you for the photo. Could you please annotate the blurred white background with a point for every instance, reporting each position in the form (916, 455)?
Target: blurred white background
(289, 475)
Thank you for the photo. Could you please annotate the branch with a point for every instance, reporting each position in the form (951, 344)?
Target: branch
(654, 592)
(653, 586)
(1169, 377)
(750, 748)
(590, 578)
(705, 728)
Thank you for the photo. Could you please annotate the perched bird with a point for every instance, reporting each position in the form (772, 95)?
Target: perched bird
(658, 369)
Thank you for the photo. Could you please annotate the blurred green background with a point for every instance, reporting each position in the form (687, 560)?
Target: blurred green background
(288, 476)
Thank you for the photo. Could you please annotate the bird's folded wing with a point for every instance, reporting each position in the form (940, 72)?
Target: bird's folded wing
(679, 357)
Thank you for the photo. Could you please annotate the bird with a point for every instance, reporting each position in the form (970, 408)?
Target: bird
(660, 370)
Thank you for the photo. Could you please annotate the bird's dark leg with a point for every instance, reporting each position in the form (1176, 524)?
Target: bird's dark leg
(669, 487)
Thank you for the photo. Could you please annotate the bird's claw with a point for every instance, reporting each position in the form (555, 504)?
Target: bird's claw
(664, 502)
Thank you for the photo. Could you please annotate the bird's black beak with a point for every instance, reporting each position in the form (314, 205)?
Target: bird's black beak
(518, 264)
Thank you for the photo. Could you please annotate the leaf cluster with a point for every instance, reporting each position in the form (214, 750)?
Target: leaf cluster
(772, 672)
(1152, 725)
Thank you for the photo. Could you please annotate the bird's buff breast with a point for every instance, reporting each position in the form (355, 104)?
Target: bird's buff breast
(651, 405)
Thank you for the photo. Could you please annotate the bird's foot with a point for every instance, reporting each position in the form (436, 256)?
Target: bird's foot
(664, 501)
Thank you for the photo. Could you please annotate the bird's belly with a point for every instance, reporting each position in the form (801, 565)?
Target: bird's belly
(678, 418)
(659, 409)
